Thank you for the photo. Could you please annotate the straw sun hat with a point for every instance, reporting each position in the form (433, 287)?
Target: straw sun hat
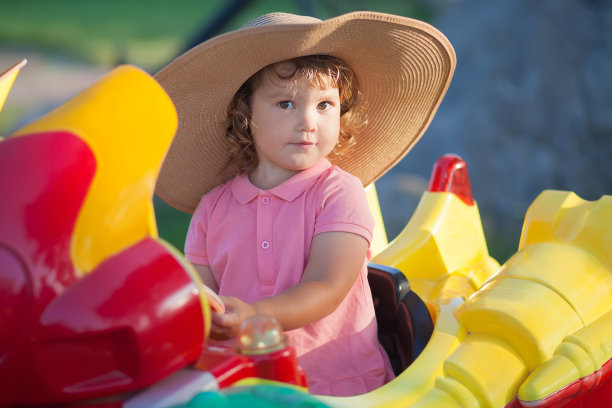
(403, 67)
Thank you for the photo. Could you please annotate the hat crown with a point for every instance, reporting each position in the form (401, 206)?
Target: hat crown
(279, 18)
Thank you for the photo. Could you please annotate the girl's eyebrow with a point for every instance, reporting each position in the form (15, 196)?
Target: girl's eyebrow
(277, 89)
(329, 94)
(281, 93)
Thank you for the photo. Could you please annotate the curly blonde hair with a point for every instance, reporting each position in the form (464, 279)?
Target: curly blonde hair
(318, 70)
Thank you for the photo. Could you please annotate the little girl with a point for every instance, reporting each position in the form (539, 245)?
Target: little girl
(278, 229)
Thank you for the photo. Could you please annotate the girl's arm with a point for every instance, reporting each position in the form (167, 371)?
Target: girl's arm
(334, 264)
(207, 277)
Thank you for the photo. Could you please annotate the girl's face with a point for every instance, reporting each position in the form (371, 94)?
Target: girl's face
(294, 126)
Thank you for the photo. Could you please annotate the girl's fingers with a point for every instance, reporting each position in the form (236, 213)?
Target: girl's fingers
(225, 325)
(219, 331)
(227, 319)
(214, 301)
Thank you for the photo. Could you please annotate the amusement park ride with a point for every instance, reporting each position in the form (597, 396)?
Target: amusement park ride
(97, 311)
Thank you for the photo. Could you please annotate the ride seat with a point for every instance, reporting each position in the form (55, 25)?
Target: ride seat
(404, 322)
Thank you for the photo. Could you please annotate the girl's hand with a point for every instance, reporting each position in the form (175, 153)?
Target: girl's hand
(225, 325)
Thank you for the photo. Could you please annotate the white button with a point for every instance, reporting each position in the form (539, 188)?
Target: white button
(265, 245)
(265, 200)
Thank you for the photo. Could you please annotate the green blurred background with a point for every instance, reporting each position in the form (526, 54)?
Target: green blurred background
(151, 32)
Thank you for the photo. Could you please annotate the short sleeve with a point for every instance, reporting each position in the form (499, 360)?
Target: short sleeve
(342, 206)
(195, 243)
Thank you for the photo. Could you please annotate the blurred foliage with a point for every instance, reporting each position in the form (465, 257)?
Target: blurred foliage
(150, 33)
(104, 32)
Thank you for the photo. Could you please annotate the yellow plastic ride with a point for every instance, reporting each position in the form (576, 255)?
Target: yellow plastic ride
(101, 312)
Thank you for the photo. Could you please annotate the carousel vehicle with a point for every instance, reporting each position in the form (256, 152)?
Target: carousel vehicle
(98, 311)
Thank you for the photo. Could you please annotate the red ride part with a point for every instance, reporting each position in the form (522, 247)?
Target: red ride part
(134, 319)
(228, 366)
(450, 175)
(44, 179)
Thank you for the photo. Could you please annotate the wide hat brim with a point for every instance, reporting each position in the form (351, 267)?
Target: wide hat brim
(403, 67)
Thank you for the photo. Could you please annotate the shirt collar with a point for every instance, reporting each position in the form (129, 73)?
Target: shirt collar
(244, 191)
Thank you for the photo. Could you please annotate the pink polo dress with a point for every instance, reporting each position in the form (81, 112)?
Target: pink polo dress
(257, 244)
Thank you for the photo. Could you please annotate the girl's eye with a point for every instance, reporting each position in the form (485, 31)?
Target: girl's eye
(325, 105)
(286, 105)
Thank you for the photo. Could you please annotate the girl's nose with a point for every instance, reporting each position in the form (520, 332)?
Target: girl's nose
(307, 122)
